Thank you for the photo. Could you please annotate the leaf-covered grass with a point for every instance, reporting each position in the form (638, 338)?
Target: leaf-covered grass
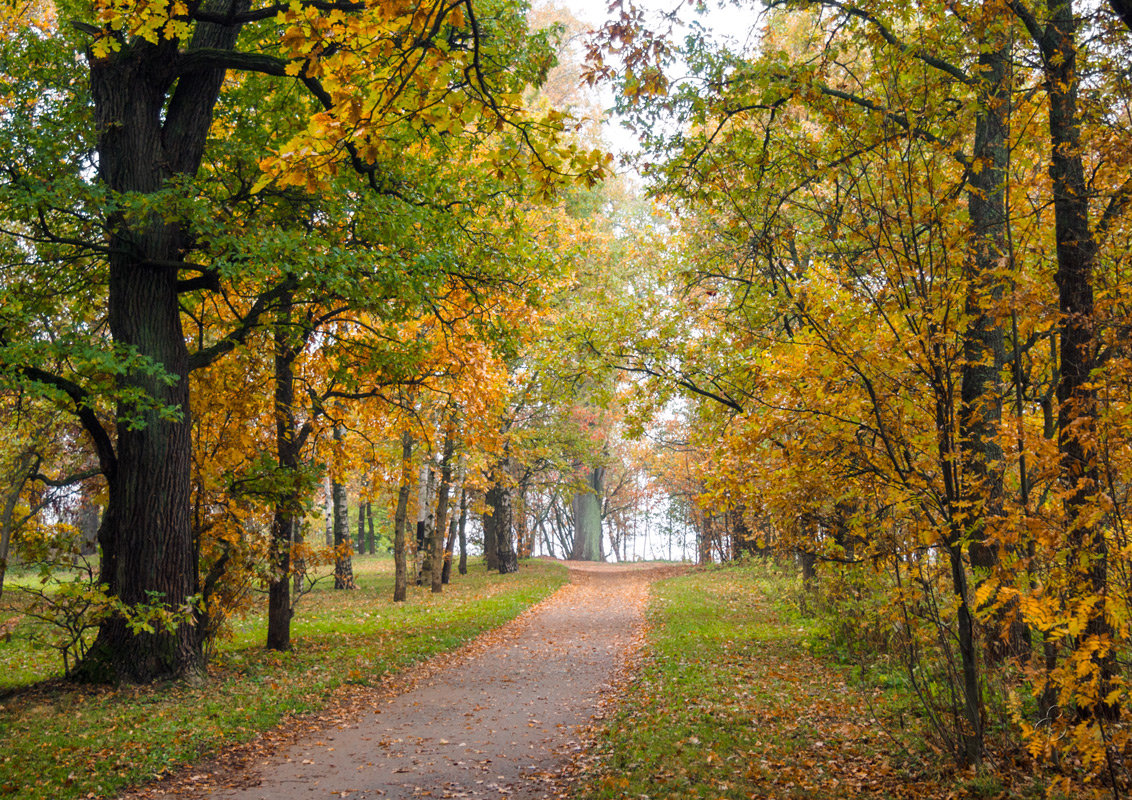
(733, 700)
(61, 741)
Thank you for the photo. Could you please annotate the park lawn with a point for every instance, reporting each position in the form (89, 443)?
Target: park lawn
(736, 698)
(63, 741)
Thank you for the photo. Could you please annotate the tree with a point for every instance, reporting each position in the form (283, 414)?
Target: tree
(157, 75)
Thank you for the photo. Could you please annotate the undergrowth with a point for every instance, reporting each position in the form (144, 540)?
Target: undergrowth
(743, 696)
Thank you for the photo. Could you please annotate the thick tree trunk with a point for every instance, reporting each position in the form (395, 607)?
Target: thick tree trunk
(343, 563)
(490, 545)
(587, 517)
(401, 520)
(152, 126)
(497, 521)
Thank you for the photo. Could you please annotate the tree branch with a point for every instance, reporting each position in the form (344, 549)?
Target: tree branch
(237, 336)
(104, 447)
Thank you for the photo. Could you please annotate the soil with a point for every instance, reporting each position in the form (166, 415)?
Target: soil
(502, 718)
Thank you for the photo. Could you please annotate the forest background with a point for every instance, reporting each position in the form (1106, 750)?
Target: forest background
(869, 312)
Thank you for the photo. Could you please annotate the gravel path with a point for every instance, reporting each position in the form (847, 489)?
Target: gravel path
(498, 721)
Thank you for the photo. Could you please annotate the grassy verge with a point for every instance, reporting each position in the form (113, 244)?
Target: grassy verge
(62, 741)
(734, 702)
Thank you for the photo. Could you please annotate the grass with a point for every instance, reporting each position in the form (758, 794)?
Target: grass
(735, 700)
(64, 741)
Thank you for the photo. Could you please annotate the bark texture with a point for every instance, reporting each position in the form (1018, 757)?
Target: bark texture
(587, 517)
(153, 116)
(401, 520)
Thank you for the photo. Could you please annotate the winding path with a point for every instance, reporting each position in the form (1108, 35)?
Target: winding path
(498, 721)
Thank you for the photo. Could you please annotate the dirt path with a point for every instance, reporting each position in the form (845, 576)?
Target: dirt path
(498, 721)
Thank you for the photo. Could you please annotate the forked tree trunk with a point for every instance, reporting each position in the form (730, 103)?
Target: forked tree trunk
(152, 126)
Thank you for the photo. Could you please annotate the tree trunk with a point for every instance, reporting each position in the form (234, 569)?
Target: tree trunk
(440, 524)
(343, 563)
(490, 545)
(360, 544)
(984, 352)
(1077, 412)
(288, 504)
(587, 517)
(401, 520)
(426, 520)
(498, 518)
(152, 123)
(453, 531)
(462, 533)
(371, 538)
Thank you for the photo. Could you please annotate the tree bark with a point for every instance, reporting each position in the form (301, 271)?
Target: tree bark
(587, 517)
(462, 533)
(401, 521)
(984, 352)
(454, 527)
(1077, 400)
(490, 545)
(371, 538)
(497, 519)
(343, 563)
(153, 122)
(426, 520)
(440, 524)
(287, 504)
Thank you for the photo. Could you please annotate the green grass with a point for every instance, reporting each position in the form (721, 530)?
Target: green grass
(733, 700)
(63, 741)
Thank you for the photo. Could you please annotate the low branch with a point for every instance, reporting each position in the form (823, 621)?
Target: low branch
(103, 446)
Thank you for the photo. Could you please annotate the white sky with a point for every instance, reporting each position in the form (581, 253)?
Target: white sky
(732, 20)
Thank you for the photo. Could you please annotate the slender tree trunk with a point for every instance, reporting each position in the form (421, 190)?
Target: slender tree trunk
(462, 534)
(360, 544)
(450, 545)
(371, 537)
(980, 410)
(401, 520)
(343, 563)
(426, 520)
(440, 525)
(1077, 401)
(288, 503)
